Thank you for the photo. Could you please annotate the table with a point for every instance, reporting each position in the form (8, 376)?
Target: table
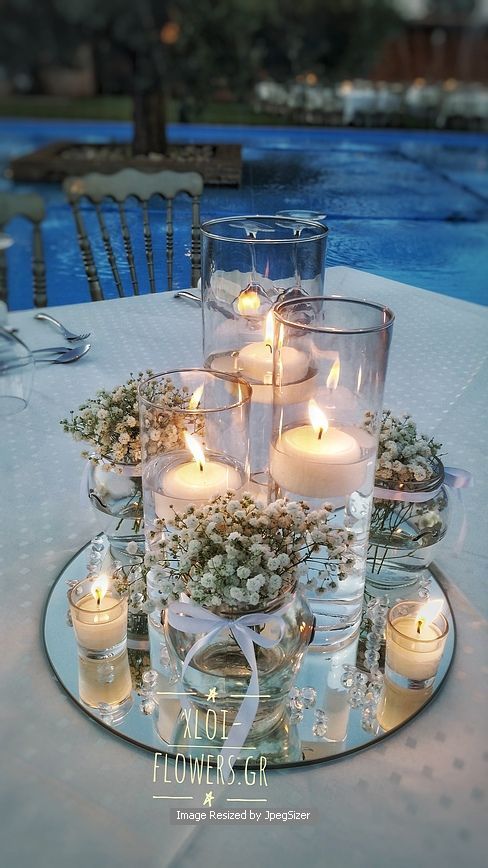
(72, 794)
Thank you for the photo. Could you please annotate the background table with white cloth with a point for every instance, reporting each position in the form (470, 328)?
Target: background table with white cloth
(71, 793)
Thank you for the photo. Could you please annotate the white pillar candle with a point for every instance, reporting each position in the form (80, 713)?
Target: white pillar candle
(99, 617)
(316, 460)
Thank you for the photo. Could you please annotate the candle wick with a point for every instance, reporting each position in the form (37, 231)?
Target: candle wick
(270, 348)
(200, 466)
(419, 625)
(321, 431)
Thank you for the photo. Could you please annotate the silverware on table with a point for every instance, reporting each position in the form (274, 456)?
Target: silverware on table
(67, 334)
(65, 357)
(52, 350)
(189, 295)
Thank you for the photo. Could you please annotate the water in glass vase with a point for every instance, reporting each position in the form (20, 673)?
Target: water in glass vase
(336, 603)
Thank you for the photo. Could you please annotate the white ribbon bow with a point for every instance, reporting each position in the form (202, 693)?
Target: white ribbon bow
(190, 618)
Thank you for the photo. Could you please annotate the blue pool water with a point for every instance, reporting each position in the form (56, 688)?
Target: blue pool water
(411, 206)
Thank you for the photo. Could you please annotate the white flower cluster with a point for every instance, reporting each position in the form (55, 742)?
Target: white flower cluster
(110, 421)
(240, 553)
(404, 455)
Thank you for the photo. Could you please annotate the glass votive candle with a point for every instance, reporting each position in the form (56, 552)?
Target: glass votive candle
(194, 439)
(416, 634)
(99, 617)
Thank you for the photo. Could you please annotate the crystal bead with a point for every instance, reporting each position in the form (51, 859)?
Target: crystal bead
(309, 697)
(319, 729)
(355, 697)
(320, 716)
(347, 680)
(148, 705)
(150, 678)
(360, 679)
(295, 715)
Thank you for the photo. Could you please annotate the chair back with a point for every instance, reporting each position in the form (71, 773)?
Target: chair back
(142, 186)
(30, 206)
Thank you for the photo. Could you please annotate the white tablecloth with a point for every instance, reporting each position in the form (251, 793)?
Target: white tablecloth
(72, 793)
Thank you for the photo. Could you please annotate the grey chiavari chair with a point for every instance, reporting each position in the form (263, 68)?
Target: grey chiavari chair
(120, 187)
(30, 206)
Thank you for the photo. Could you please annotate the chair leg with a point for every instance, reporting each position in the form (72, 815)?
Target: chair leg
(3, 277)
(196, 244)
(39, 269)
(87, 256)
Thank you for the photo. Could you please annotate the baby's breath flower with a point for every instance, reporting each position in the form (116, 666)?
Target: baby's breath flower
(110, 420)
(404, 455)
(236, 553)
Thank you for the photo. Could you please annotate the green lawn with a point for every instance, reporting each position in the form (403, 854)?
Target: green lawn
(119, 108)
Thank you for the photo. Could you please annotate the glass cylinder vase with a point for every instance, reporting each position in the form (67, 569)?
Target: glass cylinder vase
(194, 439)
(247, 264)
(325, 435)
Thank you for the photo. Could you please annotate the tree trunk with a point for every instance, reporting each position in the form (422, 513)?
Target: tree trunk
(149, 123)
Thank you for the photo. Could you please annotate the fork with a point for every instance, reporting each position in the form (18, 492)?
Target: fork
(67, 334)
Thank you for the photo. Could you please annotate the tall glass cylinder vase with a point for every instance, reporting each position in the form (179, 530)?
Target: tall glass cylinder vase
(194, 439)
(325, 434)
(247, 264)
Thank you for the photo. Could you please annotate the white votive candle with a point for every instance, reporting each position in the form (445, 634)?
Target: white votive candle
(415, 638)
(99, 617)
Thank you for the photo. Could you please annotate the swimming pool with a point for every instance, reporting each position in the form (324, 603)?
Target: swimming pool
(411, 206)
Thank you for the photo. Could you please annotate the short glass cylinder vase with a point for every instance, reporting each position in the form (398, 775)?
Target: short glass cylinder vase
(407, 526)
(247, 264)
(325, 435)
(195, 441)
(116, 491)
(220, 669)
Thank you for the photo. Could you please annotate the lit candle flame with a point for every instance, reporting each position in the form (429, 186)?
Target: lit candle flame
(318, 419)
(334, 374)
(248, 301)
(428, 613)
(268, 331)
(99, 588)
(195, 398)
(196, 449)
